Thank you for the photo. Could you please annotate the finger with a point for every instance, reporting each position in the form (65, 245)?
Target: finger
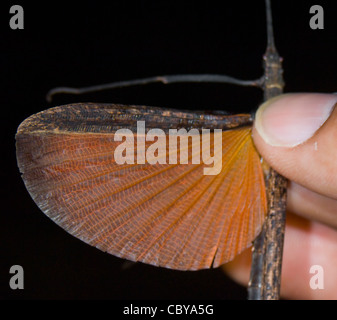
(311, 205)
(307, 244)
(297, 135)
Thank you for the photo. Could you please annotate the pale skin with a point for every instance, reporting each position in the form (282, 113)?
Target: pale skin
(310, 164)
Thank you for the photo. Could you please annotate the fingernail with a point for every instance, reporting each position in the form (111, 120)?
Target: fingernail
(290, 119)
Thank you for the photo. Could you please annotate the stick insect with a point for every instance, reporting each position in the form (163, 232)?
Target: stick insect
(267, 252)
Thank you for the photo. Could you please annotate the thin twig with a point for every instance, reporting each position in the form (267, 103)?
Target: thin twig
(211, 78)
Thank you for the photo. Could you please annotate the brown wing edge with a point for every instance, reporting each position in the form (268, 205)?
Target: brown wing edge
(107, 118)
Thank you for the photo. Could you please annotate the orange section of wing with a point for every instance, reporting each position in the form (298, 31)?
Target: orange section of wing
(169, 215)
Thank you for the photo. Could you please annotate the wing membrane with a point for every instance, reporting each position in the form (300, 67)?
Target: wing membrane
(169, 215)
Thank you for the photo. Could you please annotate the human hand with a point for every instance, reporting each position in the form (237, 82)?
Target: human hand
(297, 135)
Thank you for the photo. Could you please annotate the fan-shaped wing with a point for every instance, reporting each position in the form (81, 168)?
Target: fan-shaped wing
(169, 215)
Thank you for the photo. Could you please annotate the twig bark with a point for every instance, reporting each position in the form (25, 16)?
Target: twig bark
(267, 253)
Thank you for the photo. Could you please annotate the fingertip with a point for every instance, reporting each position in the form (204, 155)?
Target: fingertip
(290, 119)
(310, 162)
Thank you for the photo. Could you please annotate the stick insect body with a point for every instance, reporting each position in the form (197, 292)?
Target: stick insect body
(267, 251)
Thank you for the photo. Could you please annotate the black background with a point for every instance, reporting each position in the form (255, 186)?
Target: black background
(87, 43)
